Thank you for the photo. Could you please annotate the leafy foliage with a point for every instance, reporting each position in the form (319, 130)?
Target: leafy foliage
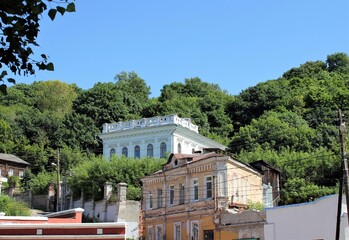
(13, 207)
(19, 26)
(290, 122)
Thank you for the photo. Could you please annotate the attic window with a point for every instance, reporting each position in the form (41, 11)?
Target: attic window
(175, 163)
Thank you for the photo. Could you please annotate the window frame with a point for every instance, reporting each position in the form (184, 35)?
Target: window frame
(171, 192)
(157, 237)
(159, 198)
(206, 187)
(150, 200)
(112, 152)
(181, 193)
(179, 148)
(148, 235)
(124, 151)
(196, 222)
(195, 184)
(175, 236)
(150, 150)
(137, 152)
(163, 149)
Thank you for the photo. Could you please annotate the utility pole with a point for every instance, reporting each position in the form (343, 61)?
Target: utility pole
(58, 184)
(344, 178)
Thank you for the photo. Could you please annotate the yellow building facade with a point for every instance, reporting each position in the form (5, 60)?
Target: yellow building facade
(186, 199)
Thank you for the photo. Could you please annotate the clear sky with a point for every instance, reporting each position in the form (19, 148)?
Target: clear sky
(234, 43)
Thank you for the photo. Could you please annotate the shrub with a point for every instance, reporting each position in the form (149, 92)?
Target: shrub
(13, 207)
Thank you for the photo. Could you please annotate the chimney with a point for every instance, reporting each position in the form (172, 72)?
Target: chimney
(121, 187)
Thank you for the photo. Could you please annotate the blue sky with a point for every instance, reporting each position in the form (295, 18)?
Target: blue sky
(234, 43)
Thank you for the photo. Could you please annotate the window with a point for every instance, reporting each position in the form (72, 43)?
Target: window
(177, 231)
(150, 233)
(179, 148)
(150, 150)
(112, 152)
(235, 196)
(171, 195)
(21, 174)
(150, 203)
(125, 151)
(162, 150)
(159, 199)
(221, 185)
(209, 187)
(195, 189)
(195, 230)
(267, 195)
(137, 152)
(10, 172)
(181, 194)
(159, 232)
(193, 151)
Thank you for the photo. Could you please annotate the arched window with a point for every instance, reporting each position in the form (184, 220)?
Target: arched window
(137, 152)
(179, 148)
(193, 151)
(150, 152)
(112, 152)
(125, 151)
(162, 150)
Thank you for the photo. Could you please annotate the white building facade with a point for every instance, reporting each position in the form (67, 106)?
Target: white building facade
(305, 221)
(155, 137)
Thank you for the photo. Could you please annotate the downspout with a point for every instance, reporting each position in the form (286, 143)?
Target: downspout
(165, 218)
(187, 183)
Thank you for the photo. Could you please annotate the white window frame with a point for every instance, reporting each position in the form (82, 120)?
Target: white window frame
(177, 237)
(10, 172)
(195, 183)
(221, 183)
(21, 174)
(157, 236)
(192, 232)
(150, 237)
(206, 189)
(171, 191)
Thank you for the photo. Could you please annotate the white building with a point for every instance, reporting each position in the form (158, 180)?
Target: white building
(154, 137)
(313, 220)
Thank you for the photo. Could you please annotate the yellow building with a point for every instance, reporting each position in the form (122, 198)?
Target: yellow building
(190, 196)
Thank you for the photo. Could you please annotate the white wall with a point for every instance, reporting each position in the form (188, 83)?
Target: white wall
(314, 220)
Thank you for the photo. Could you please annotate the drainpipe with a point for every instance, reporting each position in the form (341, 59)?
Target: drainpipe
(166, 202)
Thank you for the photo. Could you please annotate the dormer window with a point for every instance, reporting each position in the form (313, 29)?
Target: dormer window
(175, 163)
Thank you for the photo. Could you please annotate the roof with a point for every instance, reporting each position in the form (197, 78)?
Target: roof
(264, 163)
(193, 157)
(12, 158)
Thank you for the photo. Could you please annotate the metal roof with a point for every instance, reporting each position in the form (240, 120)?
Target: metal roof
(12, 158)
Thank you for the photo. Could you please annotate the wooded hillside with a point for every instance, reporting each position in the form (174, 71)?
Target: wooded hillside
(290, 122)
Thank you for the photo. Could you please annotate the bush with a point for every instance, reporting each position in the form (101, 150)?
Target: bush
(13, 207)
(39, 183)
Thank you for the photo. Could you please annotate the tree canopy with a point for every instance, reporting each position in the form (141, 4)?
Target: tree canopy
(290, 122)
(19, 29)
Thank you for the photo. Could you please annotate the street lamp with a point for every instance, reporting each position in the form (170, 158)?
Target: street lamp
(58, 182)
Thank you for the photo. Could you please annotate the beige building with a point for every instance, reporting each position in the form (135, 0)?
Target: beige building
(196, 196)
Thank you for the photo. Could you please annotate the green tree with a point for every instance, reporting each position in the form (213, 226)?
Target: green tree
(20, 25)
(55, 97)
(103, 103)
